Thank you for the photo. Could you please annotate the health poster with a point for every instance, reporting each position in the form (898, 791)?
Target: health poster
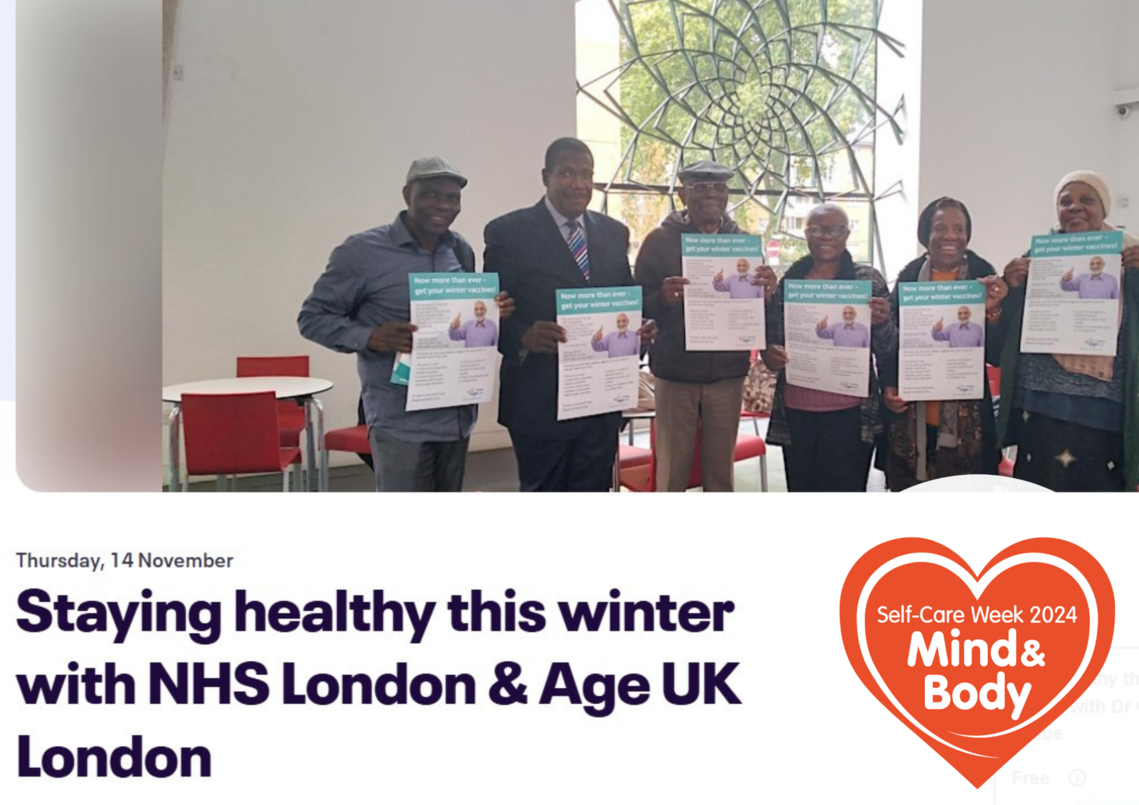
(827, 330)
(599, 365)
(723, 302)
(455, 349)
(942, 341)
(1073, 297)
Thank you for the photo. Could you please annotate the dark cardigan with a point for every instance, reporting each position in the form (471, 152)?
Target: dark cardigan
(884, 341)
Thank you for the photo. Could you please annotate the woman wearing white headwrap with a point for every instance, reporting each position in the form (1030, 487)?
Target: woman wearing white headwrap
(1074, 418)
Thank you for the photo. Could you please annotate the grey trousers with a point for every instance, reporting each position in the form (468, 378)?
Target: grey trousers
(681, 408)
(417, 466)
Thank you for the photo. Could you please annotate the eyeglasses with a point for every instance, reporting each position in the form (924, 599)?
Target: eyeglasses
(705, 188)
(827, 231)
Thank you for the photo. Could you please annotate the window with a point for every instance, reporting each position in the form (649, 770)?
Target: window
(784, 92)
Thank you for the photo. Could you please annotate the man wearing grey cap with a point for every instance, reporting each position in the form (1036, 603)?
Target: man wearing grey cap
(361, 304)
(694, 390)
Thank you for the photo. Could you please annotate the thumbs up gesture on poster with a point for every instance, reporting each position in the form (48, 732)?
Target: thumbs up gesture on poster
(1068, 276)
(719, 276)
(937, 327)
(455, 322)
(822, 325)
(597, 335)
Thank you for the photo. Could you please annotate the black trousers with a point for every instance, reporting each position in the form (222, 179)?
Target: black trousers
(826, 453)
(1066, 457)
(582, 464)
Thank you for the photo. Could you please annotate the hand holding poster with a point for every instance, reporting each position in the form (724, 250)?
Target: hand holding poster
(456, 345)
(1072, 305)
(942, 341)
(828, 335)
(599, 364)
(723, 302)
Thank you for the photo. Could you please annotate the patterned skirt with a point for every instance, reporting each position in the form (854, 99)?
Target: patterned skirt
(1066, 457)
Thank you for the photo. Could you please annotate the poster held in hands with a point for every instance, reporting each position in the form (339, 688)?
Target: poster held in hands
(942, 341)
(1072, 302)
(724, 298)
(599, 364)
(455, 348)
(827, 333)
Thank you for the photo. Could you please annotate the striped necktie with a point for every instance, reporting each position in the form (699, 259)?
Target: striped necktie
(577, 247)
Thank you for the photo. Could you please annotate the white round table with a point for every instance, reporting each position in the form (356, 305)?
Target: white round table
(304, 389)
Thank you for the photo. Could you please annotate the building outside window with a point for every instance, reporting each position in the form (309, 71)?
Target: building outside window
(784, 92)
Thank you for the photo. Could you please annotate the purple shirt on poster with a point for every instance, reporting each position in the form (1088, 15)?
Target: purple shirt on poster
(476, 334)
(739, 287)
(619, 345)
(961, 335)
(1089, 286)
(846, 335)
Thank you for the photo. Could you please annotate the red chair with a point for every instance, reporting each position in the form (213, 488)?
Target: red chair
(747, 448)
(637, 468)
(226, 434)
(348, 440)
(290, 413)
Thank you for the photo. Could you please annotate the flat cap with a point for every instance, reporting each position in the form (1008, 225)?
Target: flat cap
(705, 171)
(434, 168)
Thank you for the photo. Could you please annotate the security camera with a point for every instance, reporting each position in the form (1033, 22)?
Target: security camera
(1123, 111)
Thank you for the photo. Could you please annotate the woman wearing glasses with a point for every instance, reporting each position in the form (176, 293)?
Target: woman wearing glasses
(1075, 418)
(938, 439)
(827, 439)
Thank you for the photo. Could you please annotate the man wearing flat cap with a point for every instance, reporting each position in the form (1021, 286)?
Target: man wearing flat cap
(361, 304)
(693, 389)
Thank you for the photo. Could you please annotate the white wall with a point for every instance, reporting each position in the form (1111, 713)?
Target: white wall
(899, 78)
(1015, 95)
(1127, 77)
(294, 126)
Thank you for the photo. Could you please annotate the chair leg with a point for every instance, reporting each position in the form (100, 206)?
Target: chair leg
(285, 478)
(298, 480)
(763, 473)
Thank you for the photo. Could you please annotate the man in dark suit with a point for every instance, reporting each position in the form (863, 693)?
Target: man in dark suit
(555, 245)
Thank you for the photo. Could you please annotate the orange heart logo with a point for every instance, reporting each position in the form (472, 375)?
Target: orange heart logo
(977, 665)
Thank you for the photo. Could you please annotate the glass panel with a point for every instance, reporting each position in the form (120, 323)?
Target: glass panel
(781, 91)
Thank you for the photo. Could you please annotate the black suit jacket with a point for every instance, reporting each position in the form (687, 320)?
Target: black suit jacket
(533, 262)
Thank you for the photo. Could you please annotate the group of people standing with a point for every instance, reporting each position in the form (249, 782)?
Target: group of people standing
(1074, 419)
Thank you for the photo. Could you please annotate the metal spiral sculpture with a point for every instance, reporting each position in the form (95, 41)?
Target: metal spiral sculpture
(778, 90)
